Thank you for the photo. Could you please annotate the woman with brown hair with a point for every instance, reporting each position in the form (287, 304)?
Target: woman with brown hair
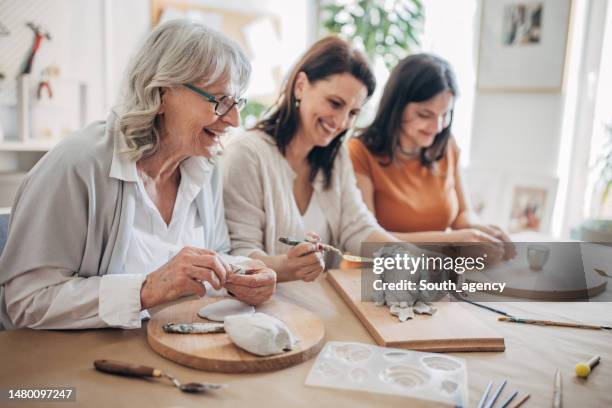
(407, 162)
(291, 174)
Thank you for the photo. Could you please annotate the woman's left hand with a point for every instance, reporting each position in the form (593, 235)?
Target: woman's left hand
(255, 286)
(495, 231)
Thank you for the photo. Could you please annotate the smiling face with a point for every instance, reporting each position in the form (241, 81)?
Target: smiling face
(328, 106)
(188, 120)
(422, 121)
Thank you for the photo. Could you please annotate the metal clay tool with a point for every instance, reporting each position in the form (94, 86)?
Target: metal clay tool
(193, 328)
(327, 247)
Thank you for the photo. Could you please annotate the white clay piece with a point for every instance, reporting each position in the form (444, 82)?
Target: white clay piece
(259, 334)
(218, 311)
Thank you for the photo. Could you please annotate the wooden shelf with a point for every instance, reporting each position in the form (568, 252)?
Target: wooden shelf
(29, 146)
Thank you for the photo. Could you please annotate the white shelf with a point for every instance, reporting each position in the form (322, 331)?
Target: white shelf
(29, 146)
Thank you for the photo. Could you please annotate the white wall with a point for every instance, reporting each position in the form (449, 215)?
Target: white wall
(517, 131)
(450, 32)
(535, 134)
(130, 22)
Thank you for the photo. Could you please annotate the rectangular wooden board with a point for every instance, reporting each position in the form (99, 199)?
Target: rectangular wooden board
(453, 328)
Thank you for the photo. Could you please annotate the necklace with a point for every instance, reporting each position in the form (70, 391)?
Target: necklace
(409, 154)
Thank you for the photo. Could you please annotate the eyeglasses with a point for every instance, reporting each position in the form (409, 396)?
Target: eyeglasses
(223, 105)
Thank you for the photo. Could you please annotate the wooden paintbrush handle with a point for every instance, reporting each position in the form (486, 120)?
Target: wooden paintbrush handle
(126, 369)
(548, 323)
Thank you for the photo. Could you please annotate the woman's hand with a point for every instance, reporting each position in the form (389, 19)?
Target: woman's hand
(183, 275)
(486, 243)
(255, 286)
(495, 231)
(304, 261)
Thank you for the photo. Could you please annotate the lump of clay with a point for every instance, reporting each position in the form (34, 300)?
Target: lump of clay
(218, 311)
(260, 334)
(405, 311)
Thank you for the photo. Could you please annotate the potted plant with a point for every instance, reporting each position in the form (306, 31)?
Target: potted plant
(604, 168)
(387, 29)
(598, 228)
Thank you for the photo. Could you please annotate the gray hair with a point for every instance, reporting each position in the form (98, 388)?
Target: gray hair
(175, 53)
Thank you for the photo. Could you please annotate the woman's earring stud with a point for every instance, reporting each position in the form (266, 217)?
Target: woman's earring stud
(297, 103)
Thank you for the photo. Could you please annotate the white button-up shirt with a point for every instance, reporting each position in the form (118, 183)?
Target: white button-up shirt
(153, 243)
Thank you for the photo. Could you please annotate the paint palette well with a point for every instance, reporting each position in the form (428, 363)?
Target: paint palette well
(364, 367)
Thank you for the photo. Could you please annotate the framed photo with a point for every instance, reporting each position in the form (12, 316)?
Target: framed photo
(523, 45)
(528, 203)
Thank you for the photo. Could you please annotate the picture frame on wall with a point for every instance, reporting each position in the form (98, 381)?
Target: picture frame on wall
(528, 203)
(523, 45)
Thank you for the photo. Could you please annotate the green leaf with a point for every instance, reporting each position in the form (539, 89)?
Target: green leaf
(383, 27)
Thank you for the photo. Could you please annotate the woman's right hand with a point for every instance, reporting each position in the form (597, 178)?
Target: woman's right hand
(183, 275)
(304, 261)
(487, 244)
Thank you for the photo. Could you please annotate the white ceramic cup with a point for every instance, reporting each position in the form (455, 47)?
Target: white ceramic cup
(537, 256)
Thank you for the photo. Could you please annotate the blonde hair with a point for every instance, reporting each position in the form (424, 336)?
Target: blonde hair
(175, 53)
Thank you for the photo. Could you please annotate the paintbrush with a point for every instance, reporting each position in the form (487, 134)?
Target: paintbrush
(512, 319)
(522, 401)
(327, 247)
(557, 396)
(498, 391)
(485, 395)
(509, 400)
(492, 309)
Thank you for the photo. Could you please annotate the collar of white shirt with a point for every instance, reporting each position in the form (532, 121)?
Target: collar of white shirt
(196, 168)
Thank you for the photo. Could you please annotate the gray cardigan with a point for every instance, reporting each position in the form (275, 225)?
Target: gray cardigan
(71, 214)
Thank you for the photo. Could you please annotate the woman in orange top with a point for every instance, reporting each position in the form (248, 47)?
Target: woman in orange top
(407, 163)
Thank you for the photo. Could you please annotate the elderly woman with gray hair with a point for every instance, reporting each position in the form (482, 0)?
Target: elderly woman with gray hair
(127, 213)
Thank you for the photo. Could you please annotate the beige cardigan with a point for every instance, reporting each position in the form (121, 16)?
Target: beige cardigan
(260, 206)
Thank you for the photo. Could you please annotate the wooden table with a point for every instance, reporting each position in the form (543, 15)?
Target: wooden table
(32, 358)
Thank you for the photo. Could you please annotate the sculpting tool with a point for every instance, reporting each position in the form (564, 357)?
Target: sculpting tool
(509, 400)
(496, 395)
(485, 395)
(521, 402)
(557, 397)
(512, 319)
(193, 328)
(133, 370)
(584, 369)
(327, 247)
(602, 273)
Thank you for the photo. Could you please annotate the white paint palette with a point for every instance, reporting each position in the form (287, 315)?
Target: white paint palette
(364, 367)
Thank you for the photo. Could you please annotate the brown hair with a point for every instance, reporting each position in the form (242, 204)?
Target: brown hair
(328, 56)
(416, 78)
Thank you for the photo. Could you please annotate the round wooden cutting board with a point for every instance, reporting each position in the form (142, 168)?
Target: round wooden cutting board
(216, 352)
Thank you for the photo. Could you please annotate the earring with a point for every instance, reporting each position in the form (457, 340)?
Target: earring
(297, 103)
